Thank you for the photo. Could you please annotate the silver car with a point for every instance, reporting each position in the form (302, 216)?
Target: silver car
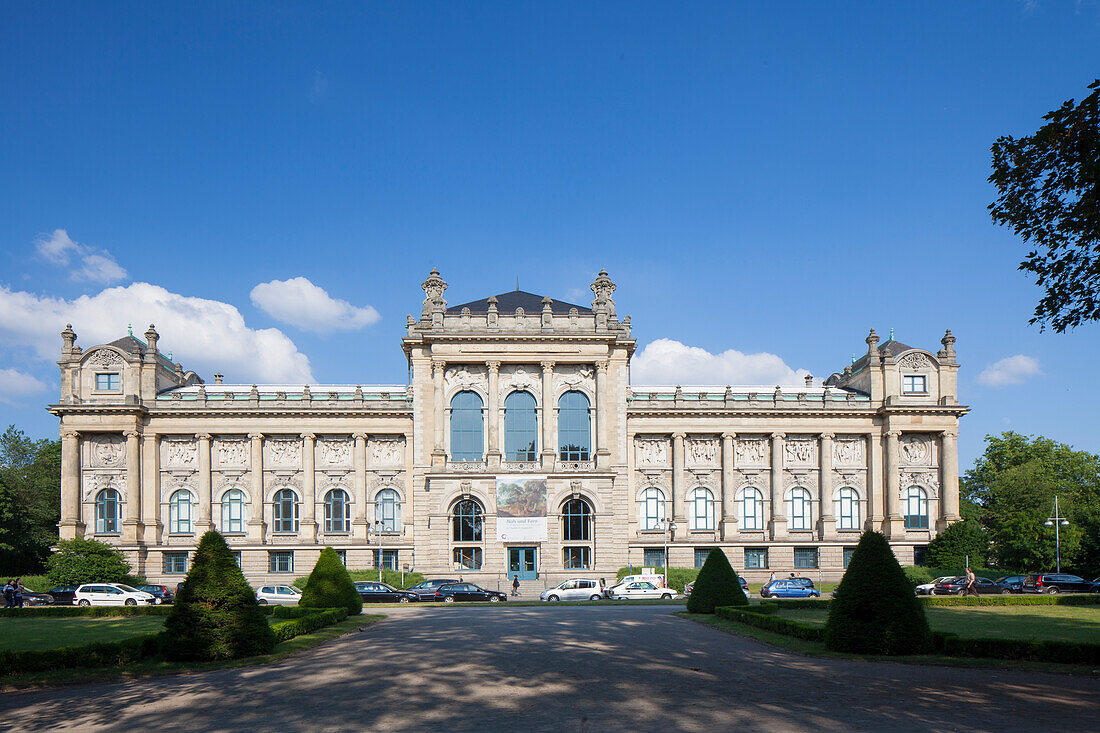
(574, 589)
(278, 595)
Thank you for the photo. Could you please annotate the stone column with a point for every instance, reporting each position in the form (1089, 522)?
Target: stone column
(131, 525)
(678, 488)
(308, 522)
(206, 493)
(492, 456)
(257, 528)
(893, 526)
(359, 484)
(70, 525)
(875, 499)
(603, 447)
(949, 479)
(779, 514)
(826, 522)
(439, 455)
(549, 448)
(729, 498)
(150, 489)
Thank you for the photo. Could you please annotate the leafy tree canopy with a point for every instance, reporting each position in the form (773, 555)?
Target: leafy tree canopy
(86, 561)
(330, 586)
(961, 541)
(30, 501)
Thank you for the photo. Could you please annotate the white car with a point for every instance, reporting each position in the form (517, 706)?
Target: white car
(111, 594)
(574, 589)
(278, 595)
(641, 589)
(925, 589)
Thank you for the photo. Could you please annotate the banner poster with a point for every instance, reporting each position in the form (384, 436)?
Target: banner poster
(521, 508)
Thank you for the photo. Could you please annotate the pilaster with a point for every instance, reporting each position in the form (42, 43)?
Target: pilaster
(778, 509)
(257, 527)
(206, 498)
(893, 526)
(359, 484)
(603, 416)
(308, 524)
(826, 522)
(679, 491)
(729, 500)
(439, 456)
(70, 525)
(549, 451)
(949, 478)
(492, 455)
(131, 525)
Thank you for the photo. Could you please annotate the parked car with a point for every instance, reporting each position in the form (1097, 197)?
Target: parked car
(30, 598)
(111, 594)
(641, 589)
(744, 586)
(1014, 583)
(790, 588)
(925, 589)
(63, 595)
(278, 595)
(1058, 583)
(956, 586)
(160, 592)
(467, 592)
(374, 592)
(425, 591)
(574, 589)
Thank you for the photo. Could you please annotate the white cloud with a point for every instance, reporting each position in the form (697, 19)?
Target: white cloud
(1010, 370)
(667, 362)
(95, 265)
(300, 303)
(205, 335)
(15, 384)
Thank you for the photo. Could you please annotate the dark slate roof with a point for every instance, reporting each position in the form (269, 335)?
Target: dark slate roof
(130, 345)
(508, 302)
(888, 349)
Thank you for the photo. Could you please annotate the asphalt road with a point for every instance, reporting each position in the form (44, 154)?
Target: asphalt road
(563, 668)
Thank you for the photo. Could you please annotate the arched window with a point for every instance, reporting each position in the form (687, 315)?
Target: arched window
(466, 521)
(467, 427)
(337, 511)
(916, 508)
(651, 508)
(701, 512)
(387, 510)
(285, 506)
(751, 509)
(574, 427)
(576, 521)
(233, 511)
(521, 427)
(847, 509)
(106, 511)
(179, 512)
(799, 509)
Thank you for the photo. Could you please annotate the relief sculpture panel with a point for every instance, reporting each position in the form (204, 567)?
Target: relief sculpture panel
(651, 452)
(800, 451)
(751, 452)
(179, 452)
(334, 452)
(107, 451)
(915, 450)
(285, 452)
(701, 451)
(229, 452)
(386, 451)
(849, 452)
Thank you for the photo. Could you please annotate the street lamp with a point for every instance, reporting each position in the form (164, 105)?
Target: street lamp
(378, 557)
(669, 527)
(1057, 522)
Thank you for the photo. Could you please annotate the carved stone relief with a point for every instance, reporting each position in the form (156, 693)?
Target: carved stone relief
(800, 451)
(927, 479)
(283, 452)
(232, 452)
(518, 377)
(849, 451)
(751, 451)
(915, 450)
(651, 451)
(701, 451)
(103, 357)
(463, 377)
(806, 482)
(179, 452)
(334, 451)
(914, 361)
(93, 483)
(574, 376)
(386, 451)
(108, 450)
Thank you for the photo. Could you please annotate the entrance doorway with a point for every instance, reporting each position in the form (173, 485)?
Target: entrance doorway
(521, 562)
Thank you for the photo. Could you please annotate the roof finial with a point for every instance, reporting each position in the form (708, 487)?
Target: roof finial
(129, 329)
(891, 334)
(517, 283)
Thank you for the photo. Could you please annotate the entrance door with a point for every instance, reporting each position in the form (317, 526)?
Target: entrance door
(521, 562)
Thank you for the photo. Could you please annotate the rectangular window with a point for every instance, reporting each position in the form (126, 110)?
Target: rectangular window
(756, 558)
(389, 559)
(919, 554)
(280, 561)
(915, 385)
(107, 382)
(848, 555)
(577, 558)
(805, 558)
(175, 563)
(701, 554)
(467, 558)
(653, 557)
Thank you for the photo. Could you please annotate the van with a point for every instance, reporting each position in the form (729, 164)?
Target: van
(656, 579)
(574, 589)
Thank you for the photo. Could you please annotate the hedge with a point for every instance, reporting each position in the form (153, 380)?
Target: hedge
(98, 654)
(287, 630)
(775, 604)
(770, 622)
(88, 611)
(1093, 599)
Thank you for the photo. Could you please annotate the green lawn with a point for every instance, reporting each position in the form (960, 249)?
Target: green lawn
(1032, 623)
(35, 634)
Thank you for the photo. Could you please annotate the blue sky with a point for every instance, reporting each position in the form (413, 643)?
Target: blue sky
(763, 183)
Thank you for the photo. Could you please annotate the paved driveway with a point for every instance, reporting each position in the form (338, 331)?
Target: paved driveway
(564, 668)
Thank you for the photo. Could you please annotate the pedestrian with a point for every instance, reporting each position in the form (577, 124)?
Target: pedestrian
(792, 576)
(971, 583)
(771, 578)
(9, 594)
(515, 585)
(18, 585)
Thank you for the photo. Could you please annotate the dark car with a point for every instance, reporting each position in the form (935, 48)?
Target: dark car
(63, 595)
(691, 586)
(160, 592)
(467, 592)
(957, 585)
(30, 598)
(425, 591)
(373, 592)
(1058, 583)
(1013, 582)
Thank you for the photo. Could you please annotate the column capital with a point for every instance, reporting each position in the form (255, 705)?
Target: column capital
(828, 436)
(494, 367)
(309, 436)
(729, 436)
(679, 436)
(893, 434)
(203, 436)
(953, 433)
(601, 366)
(438, 365)
(70, 433)
(132, 434)
(359, 436)
(778, 436)
(255, 436)
(547, 366)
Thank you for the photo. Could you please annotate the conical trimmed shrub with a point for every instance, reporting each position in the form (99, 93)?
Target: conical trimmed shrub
(215, 615)
(874, 609)
(330, 586)
(717, 585)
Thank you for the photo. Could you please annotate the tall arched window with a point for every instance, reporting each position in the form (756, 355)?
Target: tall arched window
(847, 509)
(751, 509)
(799, 509)
(467, 427)
(916, 508)
(521, 427)
(651, 508)
(233, 511)
(574, 427)
(466, 521)
(387, 510)
(701, 511)
(337, 511)
(106, 511)
(285, 511)
(576, 521)
(179, 512)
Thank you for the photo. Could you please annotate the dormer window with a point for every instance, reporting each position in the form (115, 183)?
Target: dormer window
(915, 384)
(107, 382)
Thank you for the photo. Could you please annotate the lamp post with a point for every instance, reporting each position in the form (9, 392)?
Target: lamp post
(378, 557)
(1057, 522)
(669, 527)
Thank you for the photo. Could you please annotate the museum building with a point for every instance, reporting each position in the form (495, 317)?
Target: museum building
(518, 446)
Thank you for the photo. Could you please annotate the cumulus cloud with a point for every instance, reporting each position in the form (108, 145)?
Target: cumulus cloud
(300, 303)
(96, 266)
(15, 384)
(667, 362)
(205, 335)
(1010, 370)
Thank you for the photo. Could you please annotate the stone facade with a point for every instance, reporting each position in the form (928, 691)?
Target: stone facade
(783, 478)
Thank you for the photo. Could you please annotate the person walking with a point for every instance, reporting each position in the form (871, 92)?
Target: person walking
(9, 594)
(771, 578)
(971, 583)
(515, 585)
(18, 584)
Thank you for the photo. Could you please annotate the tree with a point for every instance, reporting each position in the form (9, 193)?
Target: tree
(952, 547)
(1048, 191)
(717, 585)
(30, 501)
(330, 586)
(874, 609)
(215, 615)
(82, 560)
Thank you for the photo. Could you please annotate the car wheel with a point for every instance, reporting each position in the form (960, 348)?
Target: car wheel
(494, 599)
(84, 602)
(130, 602)
(449, 599)
(594, 597)
(263, 601)
(552, 598)
(1052, 590)
(1005, 592)
(666, 597)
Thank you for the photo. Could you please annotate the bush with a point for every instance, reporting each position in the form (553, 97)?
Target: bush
(85, 561)
(717, 585)
(83, 611)
(917, 575)
(769, 622)
(874, 610)
(1092, 599)
(675, 578)
(97, 654)
(215, 615)
(304, 624)
(329, 586)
